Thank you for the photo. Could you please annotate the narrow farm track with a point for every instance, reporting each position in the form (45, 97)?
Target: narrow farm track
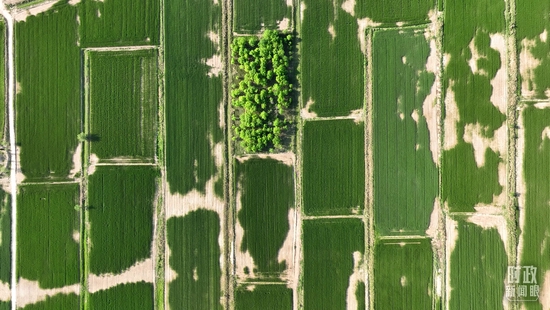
(13, 150)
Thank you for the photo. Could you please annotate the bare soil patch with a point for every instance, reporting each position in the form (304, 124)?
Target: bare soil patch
(77, 161)
(476, 55)
(283, 24)
(362, 25)
(474, 134)
(349, 7)
(487, 221)
(287, 158)
(216, 65)
(29, 292)
(141, 272)
(286, 253)
(544, 298)
(306, 112)
(452, 117)
(527, 65)
(499, 82)
(22, 15)
(357, 276)
(434, 219)
(242, 259)
(5, 292)
(332, 31)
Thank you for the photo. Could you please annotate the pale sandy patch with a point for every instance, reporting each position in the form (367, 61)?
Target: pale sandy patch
(143, 271)
(547, 92)
(434, 219)
(178, 205)
(415, 116)
(544, 36)
(349, 7)
(221, 115)
(242, 259)
(430, 108)
(527, 65)
(404, 281)
(19, 176)
(98, 13)
(18, 88)
(434, 26)
(487, 221)
(35, 10)
(169, 273)
(216, 2)
(29, 292)
(77, 161)
(451, 228)
(356, 115)
(286, 252)
(214, 38)
(452, 117)
(362, 25)
(76, 236)
(74, 2)
(544, 296)
(400, 24)
(289, 2)
(215, 64)
(474, 134)
(287, 158)
(488, 209)
(332, 31)
(283, 24)
(521, 186)
(20, 15)
(5, 292)
(404, 60)
(545, 133)
(306, 112)
(217, 151)
(446, 59)
(498, 97)
(93, 162)
(357, 276)
(542, 105)
(475, 57)
(302, 9)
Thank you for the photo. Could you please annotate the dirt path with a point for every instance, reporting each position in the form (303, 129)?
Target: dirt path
(13, 155)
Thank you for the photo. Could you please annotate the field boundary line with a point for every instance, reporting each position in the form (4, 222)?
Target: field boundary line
(128, 48)
(50, 183)
(123, 164)
(368, 215)
(13, 150)
(329, 118)
(262, 283)
(229, 214)
(405, 237)
(525, 99)
(324, 217)
(404, 27)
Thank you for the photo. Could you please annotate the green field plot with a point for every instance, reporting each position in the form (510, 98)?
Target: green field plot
(334, 167)
(405, 175)
(401, 11)
(5, 237)
(48, 102)
(195, 257)
(477, 268)
(267, 195)
(5, 305)
(536, 160)
(332, 67)
(193, 93)
(330, 249)
(533, 25)
(138, 296)
(60, 301)
(475, 105)
(46, 227)
(251, 16)
(119, 22)
(403, 274)
(123, 100)
(120, 209)
(263, 297)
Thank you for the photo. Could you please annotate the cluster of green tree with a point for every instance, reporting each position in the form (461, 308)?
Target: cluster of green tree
(262, 90)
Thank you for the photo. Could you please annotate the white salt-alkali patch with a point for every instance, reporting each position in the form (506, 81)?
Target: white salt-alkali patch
(283, 24)
(302, 9)
(362, 25)
(5, 292)
(76, 236)
(29, 292)
(306, 112)
(487, 221)
(499, 82)
(77, 161)
(475, 134)
(215, 64)
(404, 282)
(332, 31)
(143, 271)
(527, 65)
(475, 57)
(452, 117)
(544, 36)
(357, 276)
(349, 7)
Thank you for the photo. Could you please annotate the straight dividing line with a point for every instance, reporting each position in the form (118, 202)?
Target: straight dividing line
(85, 295)
(369, 175)
(50, 183)
(229, 189)
(159, 237)
(325, 217)
(127, 48)
(13, 157)
(440, 234)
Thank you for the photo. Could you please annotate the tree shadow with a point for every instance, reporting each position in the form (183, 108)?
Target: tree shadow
(93, 137)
